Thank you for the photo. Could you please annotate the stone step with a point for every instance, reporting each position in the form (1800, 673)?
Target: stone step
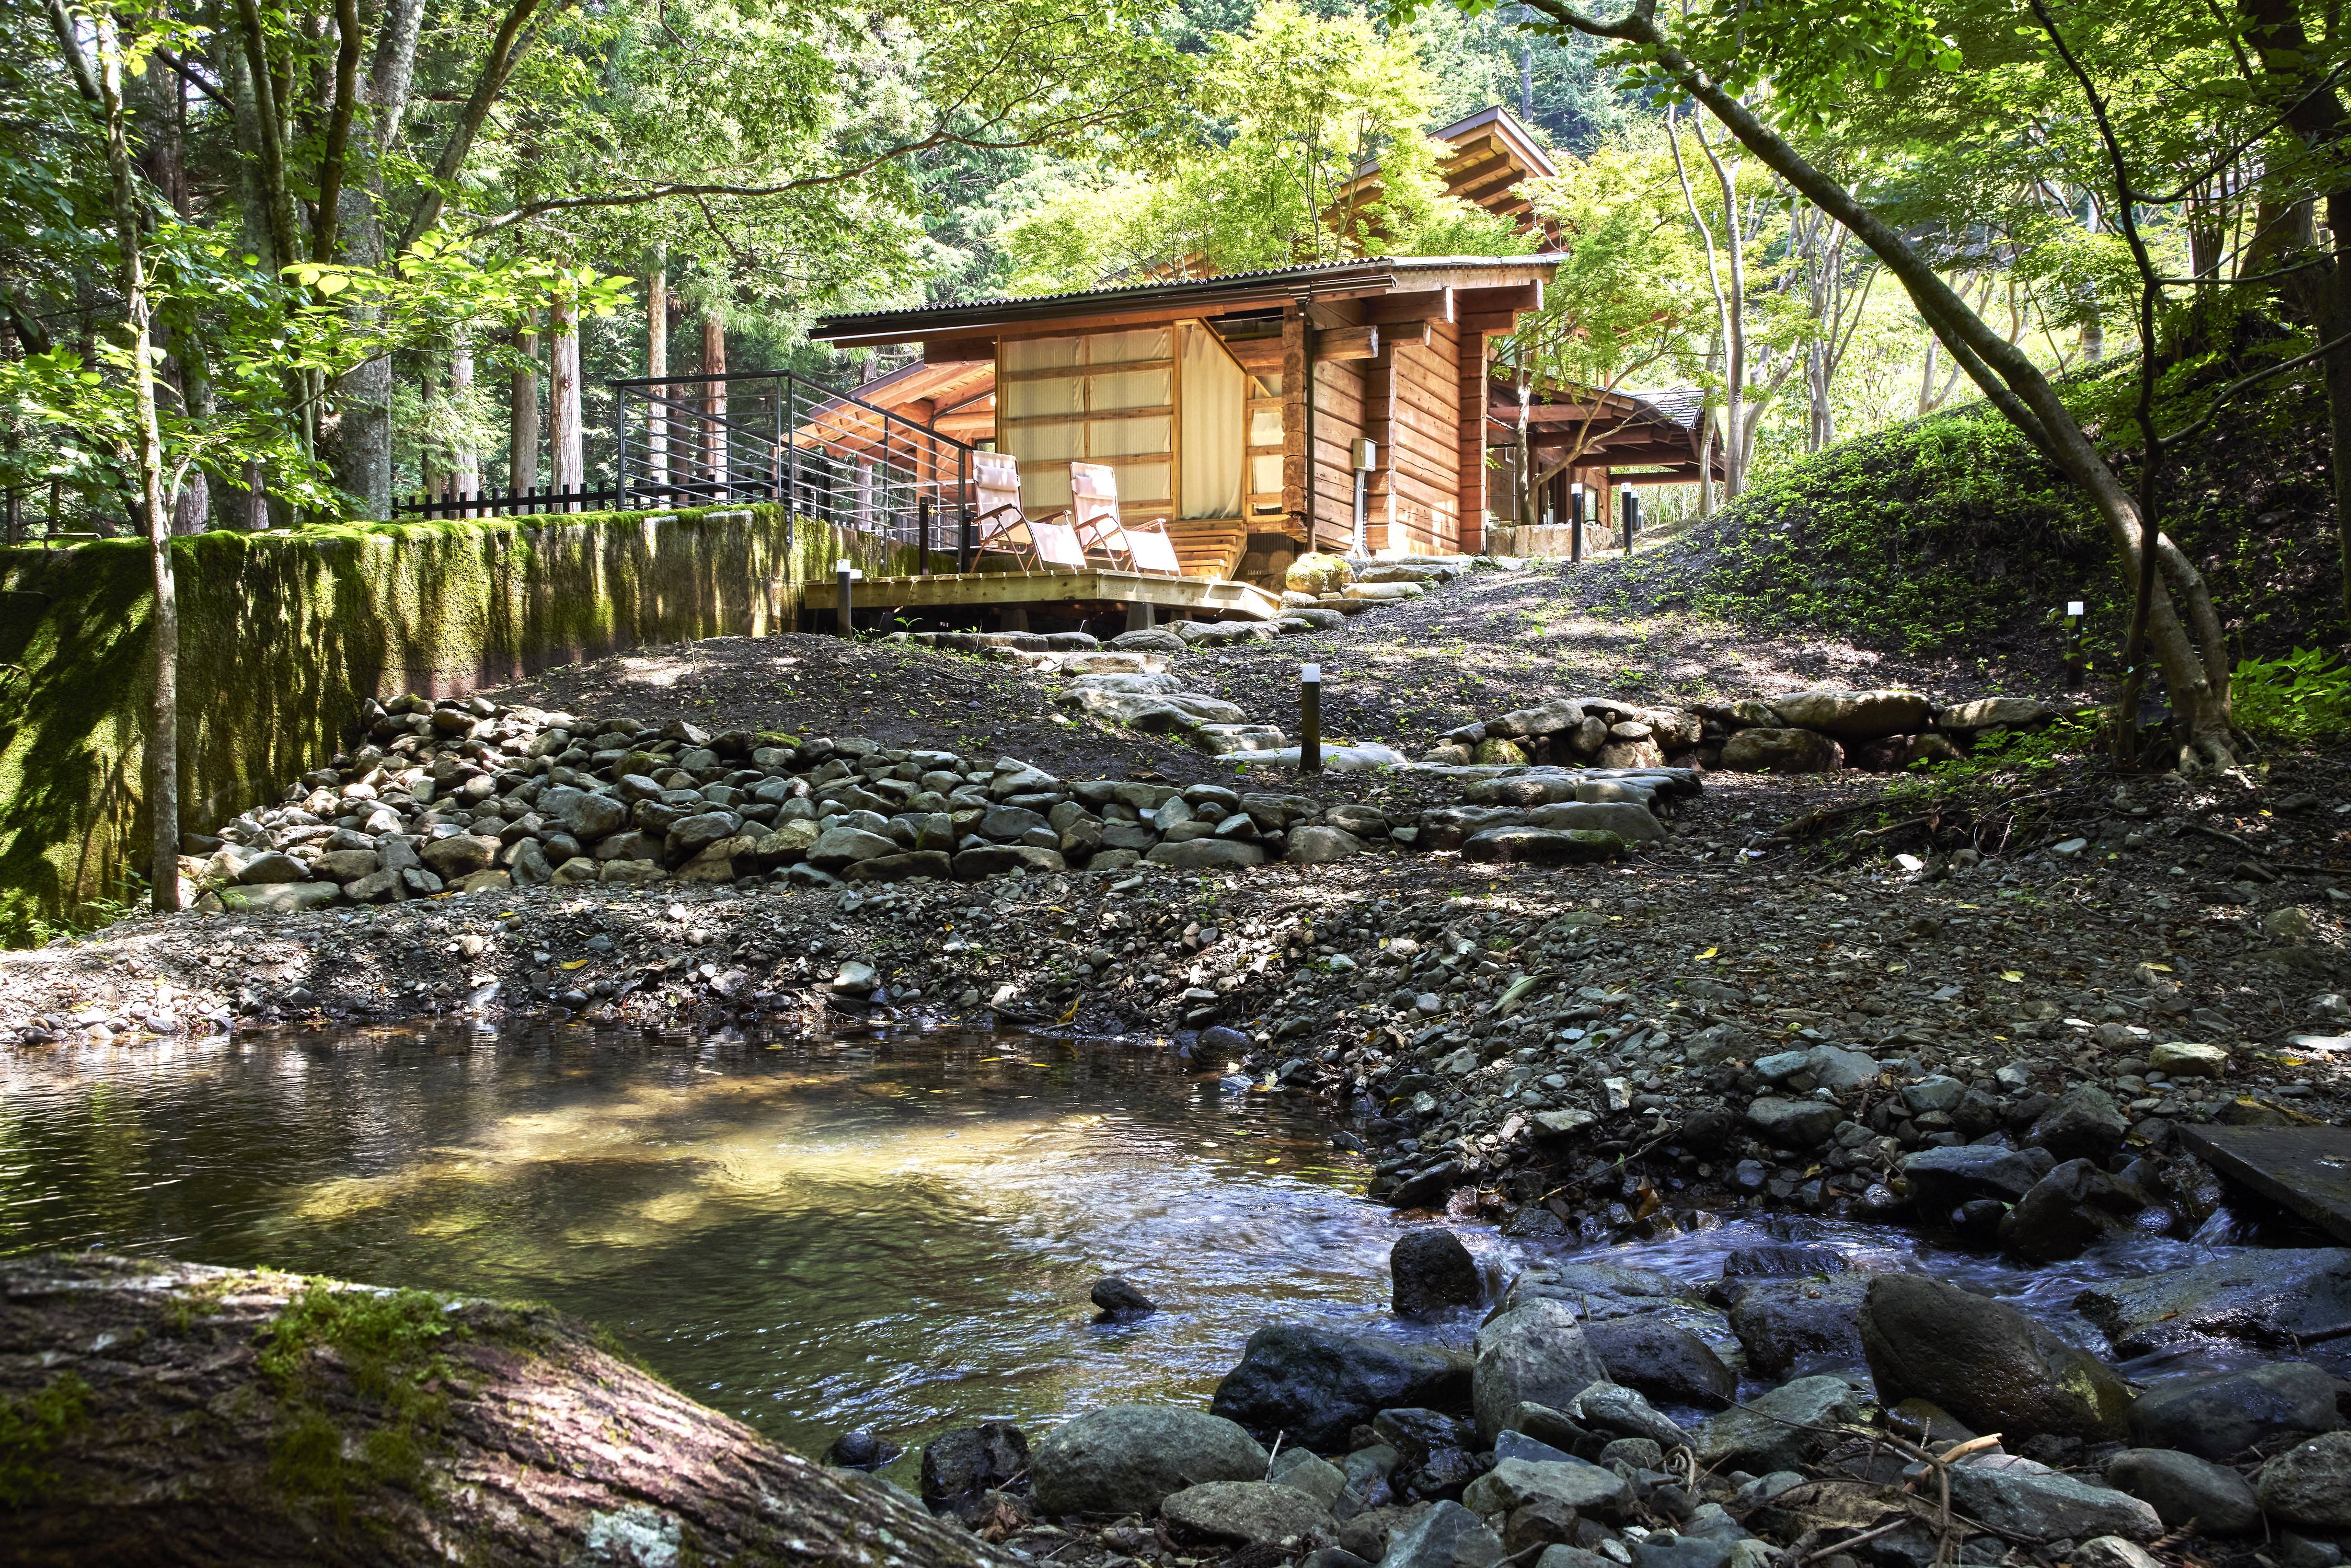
(1225, 739)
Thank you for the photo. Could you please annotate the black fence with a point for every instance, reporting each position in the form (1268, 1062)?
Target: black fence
(506, 503)
(762, 435)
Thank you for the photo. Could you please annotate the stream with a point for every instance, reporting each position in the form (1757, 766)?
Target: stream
(894, 1232)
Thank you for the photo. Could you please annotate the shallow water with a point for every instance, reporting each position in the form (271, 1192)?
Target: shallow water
(887, 1232)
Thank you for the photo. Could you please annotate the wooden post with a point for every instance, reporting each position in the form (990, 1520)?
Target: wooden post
(1310, 718)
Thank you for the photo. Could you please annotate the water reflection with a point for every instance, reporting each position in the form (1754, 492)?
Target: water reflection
(896, 1232)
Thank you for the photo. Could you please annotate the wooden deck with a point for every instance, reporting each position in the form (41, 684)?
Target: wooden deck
(949, 589)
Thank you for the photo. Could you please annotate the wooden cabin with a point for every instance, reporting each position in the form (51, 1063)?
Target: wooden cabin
(1571, 434)
(1235, 406)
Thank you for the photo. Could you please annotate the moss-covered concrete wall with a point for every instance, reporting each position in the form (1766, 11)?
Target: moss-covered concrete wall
(283, 636)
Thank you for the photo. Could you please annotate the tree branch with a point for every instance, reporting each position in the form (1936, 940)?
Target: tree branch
(338, 129)
(505, 50)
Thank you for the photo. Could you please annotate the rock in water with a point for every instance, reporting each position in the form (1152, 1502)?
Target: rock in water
(1799, 1327)
(1534, 1351)
(490, 1402)
(1430, 1271)
(1126, 1459)
(2283, 1297)
(1119, 1299)
(2222, 1416)
(1662, 1361)
(964, 1463)
(861, 1451)
(1318, 1385)
(1986, 1362)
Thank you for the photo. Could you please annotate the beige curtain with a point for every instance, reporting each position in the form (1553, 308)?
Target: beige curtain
(1056, 403)
(1215, 398)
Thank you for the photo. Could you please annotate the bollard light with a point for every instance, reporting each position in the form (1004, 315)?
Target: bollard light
(1632, 516)
(1575, 521)
(2075, 664)
(1310, 718)
(843, 575)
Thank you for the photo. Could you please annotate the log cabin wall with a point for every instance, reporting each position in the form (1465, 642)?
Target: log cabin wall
(1414, 405)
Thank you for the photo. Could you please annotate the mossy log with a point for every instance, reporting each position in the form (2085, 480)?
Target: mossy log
(170, 1413)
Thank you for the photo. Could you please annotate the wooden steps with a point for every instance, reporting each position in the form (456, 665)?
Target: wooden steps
(1208, 546)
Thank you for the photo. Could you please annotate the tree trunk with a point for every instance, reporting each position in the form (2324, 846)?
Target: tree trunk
(713, 434)
(522, 410)
(656, 367)
(465, 462)
(565, 450)
(201, 1416)
(2195, 664)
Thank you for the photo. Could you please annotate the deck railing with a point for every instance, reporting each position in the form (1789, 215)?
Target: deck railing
(763, 435)
(698, 441)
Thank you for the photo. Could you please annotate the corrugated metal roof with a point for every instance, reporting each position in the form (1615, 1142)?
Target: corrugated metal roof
(1237, 281)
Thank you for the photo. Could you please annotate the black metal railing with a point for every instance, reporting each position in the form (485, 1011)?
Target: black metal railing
(506, 503)
(699, 440)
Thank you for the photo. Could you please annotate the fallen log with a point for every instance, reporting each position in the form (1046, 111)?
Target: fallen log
(171, 1413)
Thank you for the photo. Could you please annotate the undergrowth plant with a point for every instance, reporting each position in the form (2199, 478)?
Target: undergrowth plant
(2306, 696)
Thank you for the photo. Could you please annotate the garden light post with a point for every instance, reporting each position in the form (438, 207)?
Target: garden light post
(1310, 718)
(1632, 516)
(1575, 522)
(2074, 659)
(843, 574)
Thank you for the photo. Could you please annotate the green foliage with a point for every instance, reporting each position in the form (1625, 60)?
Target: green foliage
(385, 1344)
(31, 1428)
(2305, 695)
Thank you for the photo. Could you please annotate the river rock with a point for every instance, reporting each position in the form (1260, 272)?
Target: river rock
(1126, 1459)
(1792, 1123)
(461, 854)
(1117, 1298)
(1993, 713)
(2026, 1506)
(836, 849)
(1535, 1352)
(1662, 1361)
(1318, 1477)
(1565, 1483)
(2310, 1484)
(1942, 1179)
(995, 860)
(968, 1460)
(283, 897)
(2282, 1297)
(1317, 1384)
(1799, 1327)
(1429, 1269)
(1249, 1511)
(1208, 855)
(1781, 751)
(1779, 1430)
(1448, 1536)
(1984, 1362)
(347, 867)
(1633, 824)
(2222, 1416)
(1857, 715)
(586, 814)
(1621, 1412)
(1542, 846)
(1317, 845)
(2083, 1124)
(2114, 1552)
(2181, 1487)
(2061, 1214)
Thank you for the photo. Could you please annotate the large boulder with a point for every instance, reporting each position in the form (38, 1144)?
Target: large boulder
(1777, 1431)
(1662, 1361)
(1245, 1511)
(837, 849)
(1799, 1327)
(1317, 574)
(1792, 1123)
(960, 1464)
(1530, 1352)
(1570, 1484)
(586, 814)
(1989, 1364)
(2288, 1296)
(1781, 751)
(2181, 1487)
(2082, 1124)
(1316, 844)
(1542, 846)
(1942, 1179)
(1855, 716)
(1429, 1270)
(1317, 1385)
(2062, 1213)
(1208, 855)
(2309, 1485)
(1993, 713)
(2224, 1415)
(1629, 820)
(1126, 1459)
(2024, 1505)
